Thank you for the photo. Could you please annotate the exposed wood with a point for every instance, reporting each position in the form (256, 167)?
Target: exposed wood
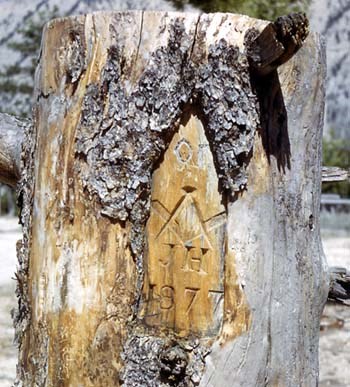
(339, 289)
(286, 274)
(186, 285)
(175, 228)
(11, 135)
(334, 174)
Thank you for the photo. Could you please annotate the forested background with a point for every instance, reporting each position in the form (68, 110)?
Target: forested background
(20, 35)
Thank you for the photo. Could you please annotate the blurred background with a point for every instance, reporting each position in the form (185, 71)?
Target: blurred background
(21, 23)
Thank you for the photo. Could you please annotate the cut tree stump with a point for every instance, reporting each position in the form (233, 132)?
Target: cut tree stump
(170, 202)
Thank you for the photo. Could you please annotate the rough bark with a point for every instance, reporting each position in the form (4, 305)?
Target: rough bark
(11, 135)
(171, 223)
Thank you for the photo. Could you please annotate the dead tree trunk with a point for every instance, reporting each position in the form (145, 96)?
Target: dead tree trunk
(171, 190)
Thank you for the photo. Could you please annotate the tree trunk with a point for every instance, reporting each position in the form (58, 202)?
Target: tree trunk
(171, 200)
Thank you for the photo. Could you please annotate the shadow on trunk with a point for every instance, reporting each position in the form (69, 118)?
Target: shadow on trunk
(273, 118)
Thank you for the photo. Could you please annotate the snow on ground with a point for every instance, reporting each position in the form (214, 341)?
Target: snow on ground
(10, 233)
(335, 337)
(334, 340)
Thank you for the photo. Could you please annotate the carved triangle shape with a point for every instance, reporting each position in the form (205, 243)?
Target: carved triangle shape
(185, 238)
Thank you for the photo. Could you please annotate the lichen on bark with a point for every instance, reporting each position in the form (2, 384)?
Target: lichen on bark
(122, 136)
(25, 192)
(159, 361)
(123, 132)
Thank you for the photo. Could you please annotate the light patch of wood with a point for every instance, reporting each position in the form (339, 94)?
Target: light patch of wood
(80, 264)
(190, 285)
(80, 296)
(259, 178)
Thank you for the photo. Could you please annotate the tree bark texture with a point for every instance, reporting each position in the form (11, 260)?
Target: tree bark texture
(170, 207)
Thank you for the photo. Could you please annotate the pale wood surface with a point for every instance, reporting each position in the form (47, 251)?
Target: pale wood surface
(274, 234)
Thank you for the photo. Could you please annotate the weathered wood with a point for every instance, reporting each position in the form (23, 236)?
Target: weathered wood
(279, 211)
(11, 135)
(277, 43)
(334, 174)
(266, 51)
(339, 288)
(171, 232)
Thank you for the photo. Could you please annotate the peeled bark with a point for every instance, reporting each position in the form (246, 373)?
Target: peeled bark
(170, 203)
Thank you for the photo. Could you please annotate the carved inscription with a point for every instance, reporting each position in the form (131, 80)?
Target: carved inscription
(184, 286)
